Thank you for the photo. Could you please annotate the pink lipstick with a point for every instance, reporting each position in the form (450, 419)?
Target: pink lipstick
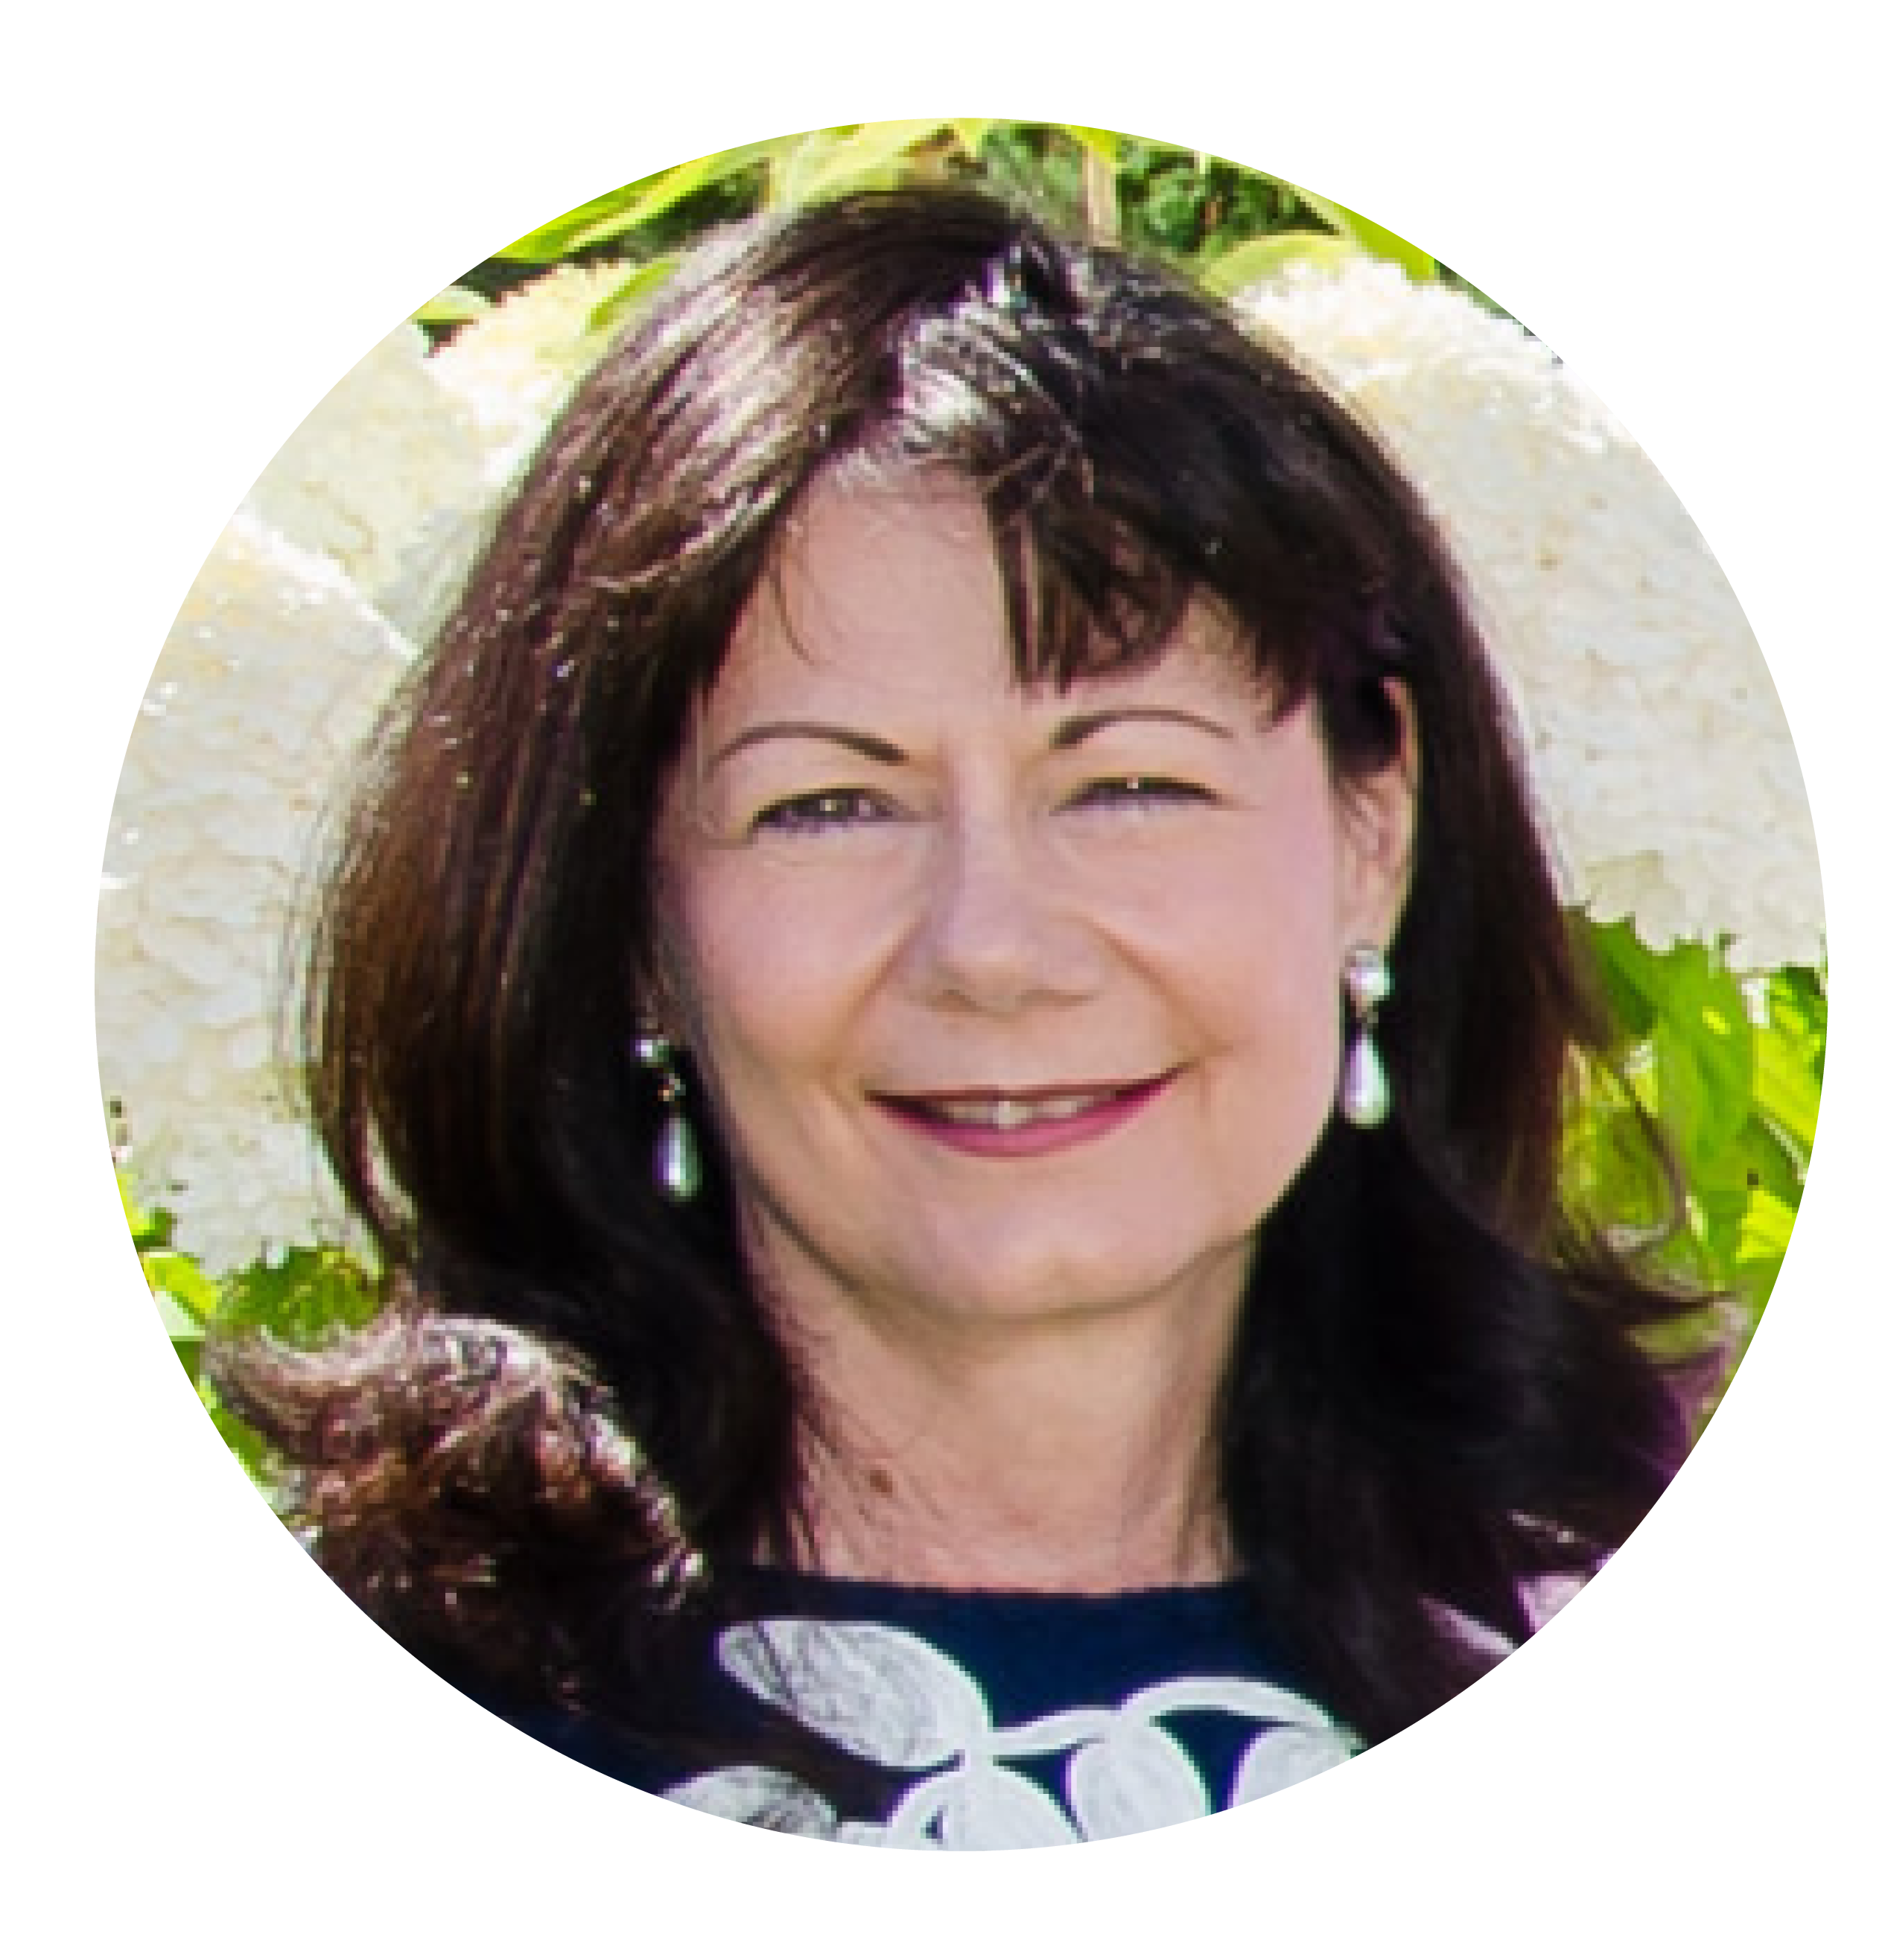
(1022, 1122)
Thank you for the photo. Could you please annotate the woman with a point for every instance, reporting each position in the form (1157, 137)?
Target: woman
(948, 1015)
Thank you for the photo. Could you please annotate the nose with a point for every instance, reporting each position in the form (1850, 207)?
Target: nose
(1000, 926)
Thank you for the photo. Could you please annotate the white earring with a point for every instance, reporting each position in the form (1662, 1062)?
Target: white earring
(1365, 1099)
(677, 1173)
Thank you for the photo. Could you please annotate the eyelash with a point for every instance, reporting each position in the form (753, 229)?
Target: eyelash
(1138, 791)
(819, 810)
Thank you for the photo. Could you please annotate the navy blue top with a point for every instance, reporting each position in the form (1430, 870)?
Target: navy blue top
(980, 1719)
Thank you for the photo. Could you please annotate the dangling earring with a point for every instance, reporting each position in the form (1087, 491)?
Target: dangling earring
(1365, 1098)
(677, 1153)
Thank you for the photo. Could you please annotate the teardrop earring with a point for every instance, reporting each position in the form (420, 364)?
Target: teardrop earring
(677, 1171)
(1365, 1098)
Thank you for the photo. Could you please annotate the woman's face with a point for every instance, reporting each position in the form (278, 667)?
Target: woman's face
(1009, 1003)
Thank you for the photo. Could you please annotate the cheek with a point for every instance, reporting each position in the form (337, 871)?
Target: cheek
(782, 950)
(1264, 962)
(1259, 921)
(1270, 1096)
(763, 998)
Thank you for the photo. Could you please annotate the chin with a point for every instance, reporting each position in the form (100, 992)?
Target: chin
(1049, 1283)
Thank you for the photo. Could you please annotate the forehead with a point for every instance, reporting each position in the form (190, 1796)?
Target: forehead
(878, 559)
(891, 592)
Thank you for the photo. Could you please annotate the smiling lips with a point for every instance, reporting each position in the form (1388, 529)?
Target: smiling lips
(1024, 1123)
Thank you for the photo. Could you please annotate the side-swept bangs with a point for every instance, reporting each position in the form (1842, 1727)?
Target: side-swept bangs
(1134, 447)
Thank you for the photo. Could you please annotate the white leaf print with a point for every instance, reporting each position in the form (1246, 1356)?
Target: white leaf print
(1053, 1735)
(992, 1809)
(863, 1834)
(1282, 1756)
(768, 1798)
(1232, 1693)
(1135, 1778)
(882, 1694)
(890, 1697)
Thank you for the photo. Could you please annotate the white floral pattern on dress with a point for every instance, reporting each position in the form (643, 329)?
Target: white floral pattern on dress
(891, 1697)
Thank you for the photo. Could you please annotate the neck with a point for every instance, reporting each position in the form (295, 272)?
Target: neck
(1074, 1454)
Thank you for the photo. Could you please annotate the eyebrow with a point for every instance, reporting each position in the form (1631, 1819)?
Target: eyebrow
(1077, 727)
(874, 746)
(1069, 734)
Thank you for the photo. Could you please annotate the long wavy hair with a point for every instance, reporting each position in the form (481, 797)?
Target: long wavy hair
(547, 1464)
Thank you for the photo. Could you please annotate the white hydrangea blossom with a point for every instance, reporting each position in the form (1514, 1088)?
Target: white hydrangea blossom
(510, 370)
(270, 676)
(1659, 752)
(387, 475)
(343, 557)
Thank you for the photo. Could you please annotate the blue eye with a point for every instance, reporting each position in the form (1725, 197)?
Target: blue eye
(821, 809)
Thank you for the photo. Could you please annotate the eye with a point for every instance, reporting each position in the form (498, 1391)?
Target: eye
(822, 809)
(1139, 793)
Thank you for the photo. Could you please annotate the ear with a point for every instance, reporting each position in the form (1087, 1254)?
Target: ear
(662, 988)
(664, 991)
(1378, 816)
(658, 1002)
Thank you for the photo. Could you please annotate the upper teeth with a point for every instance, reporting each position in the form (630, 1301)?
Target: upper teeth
(1009, 1112)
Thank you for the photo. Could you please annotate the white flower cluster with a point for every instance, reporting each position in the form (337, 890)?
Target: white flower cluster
(344, 556)
(387, 477)
(510, 370)
(1661, 755)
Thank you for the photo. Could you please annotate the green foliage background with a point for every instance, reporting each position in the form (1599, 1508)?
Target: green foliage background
(1728, 1067)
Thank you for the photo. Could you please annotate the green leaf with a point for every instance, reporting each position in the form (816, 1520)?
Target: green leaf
(1783, 1084)
(175, 1278)
(663, 192)
(1728, 1070)
(1715, 1215)
(824, 163)
(972, 132)
(608, 312)
(310, 1293)
(1787, 1062)
(143, 1224)
(1613, 1177)
(242, 1441)
(180, 1326)
(550, 242)
(1755, 1158)
(621, 210)
(1263, 257)
(1702, 1043)
(1628, 959)
(1796, 1004)
(455, 304)
(1374, 238)
(1103, 144)
(1766, 1228)
(1620, 960)
(1705, 1074)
